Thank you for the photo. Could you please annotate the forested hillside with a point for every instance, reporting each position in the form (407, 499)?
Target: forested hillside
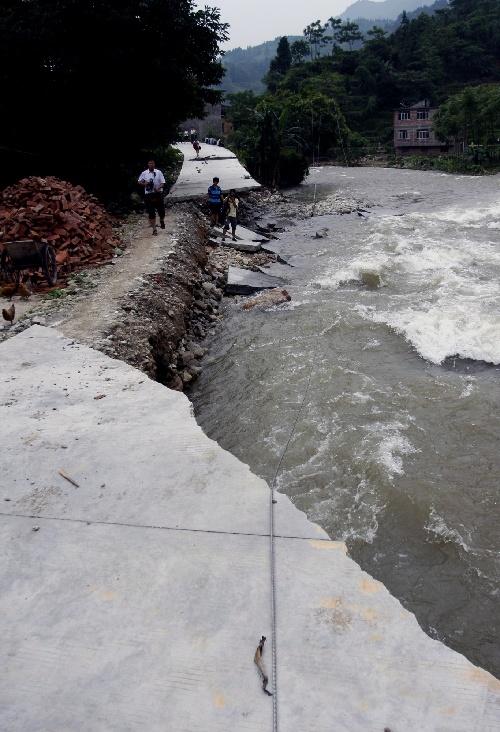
(372, 10)
(337, 102)
(245, 67)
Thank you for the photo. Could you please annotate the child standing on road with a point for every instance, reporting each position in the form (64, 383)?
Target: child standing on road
(231, 219)
(214, 199)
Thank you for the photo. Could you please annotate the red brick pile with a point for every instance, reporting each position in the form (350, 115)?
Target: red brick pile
(65, 216)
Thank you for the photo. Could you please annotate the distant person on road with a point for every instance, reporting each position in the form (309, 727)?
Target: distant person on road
(231, 219)
(186, 136)
(197, 146)
(153, 181)
(214, 199)
(193, 134)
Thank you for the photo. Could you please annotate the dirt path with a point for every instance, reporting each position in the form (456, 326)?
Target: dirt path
(91, 302)
(93, 312)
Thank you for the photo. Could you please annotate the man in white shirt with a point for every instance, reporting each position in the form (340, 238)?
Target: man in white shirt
(153, 181)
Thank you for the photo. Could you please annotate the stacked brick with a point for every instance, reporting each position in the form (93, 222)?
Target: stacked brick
(54, 211)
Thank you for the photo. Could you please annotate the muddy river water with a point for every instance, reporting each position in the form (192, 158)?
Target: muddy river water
(390, 349)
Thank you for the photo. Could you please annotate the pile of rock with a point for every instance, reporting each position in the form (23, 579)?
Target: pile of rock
(279, 205)
(54, 211)
(223, 258)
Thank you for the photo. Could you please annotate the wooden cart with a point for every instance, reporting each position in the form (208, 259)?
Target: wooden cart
(28, 254)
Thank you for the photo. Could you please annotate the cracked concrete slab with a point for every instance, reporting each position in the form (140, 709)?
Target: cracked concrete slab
(196, 174)
(135, 599)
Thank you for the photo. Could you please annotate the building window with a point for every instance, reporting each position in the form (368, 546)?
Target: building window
(422, 134)
(403, 135)
(403, 115)
(423, 114)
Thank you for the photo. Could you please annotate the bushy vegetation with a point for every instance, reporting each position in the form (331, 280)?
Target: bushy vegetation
(448, 163)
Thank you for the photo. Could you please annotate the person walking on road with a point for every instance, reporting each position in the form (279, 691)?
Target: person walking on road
(153, 181)
(214, 199)
(231, 219)
(197, 147)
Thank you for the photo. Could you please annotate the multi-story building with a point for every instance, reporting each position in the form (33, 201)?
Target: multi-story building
(413, 133)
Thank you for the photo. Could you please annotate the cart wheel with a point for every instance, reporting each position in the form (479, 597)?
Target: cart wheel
(49, 264)
(9, 272)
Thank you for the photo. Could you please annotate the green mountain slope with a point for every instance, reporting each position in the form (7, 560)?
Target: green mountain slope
(245, 67)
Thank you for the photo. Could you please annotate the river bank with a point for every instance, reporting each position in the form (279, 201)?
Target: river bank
(153, 305)
(139, 552)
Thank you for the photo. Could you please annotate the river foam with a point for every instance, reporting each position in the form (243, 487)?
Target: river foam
(438, 275)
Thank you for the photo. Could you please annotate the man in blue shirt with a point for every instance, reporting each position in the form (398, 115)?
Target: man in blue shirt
(214, 200)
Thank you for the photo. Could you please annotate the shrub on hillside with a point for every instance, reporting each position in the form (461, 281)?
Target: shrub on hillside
(293, 167)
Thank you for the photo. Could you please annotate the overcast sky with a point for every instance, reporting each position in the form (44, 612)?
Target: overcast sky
(255, 21)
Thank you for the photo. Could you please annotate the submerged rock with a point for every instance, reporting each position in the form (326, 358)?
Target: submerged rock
(268, 299)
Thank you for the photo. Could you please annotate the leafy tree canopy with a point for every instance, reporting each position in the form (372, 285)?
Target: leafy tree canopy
(103, 82)
(283, 59)
(279, 65)
(299, 50)
(472, 115)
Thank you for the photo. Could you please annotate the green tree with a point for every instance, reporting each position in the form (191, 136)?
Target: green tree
(349, 33)
(378, 46)
(364, 78)
(328, 83)
(241, 106)
(462, 8)
(240, 113)
(270, 135)
(279, 65)
(472, 115)
(316, 120)
(315, 34)
(79, 65)
(323, 123)
(299, 50)
(283, 59)
(336, 25)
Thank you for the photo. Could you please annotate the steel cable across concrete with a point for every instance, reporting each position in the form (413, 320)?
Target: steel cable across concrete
(273, 557)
